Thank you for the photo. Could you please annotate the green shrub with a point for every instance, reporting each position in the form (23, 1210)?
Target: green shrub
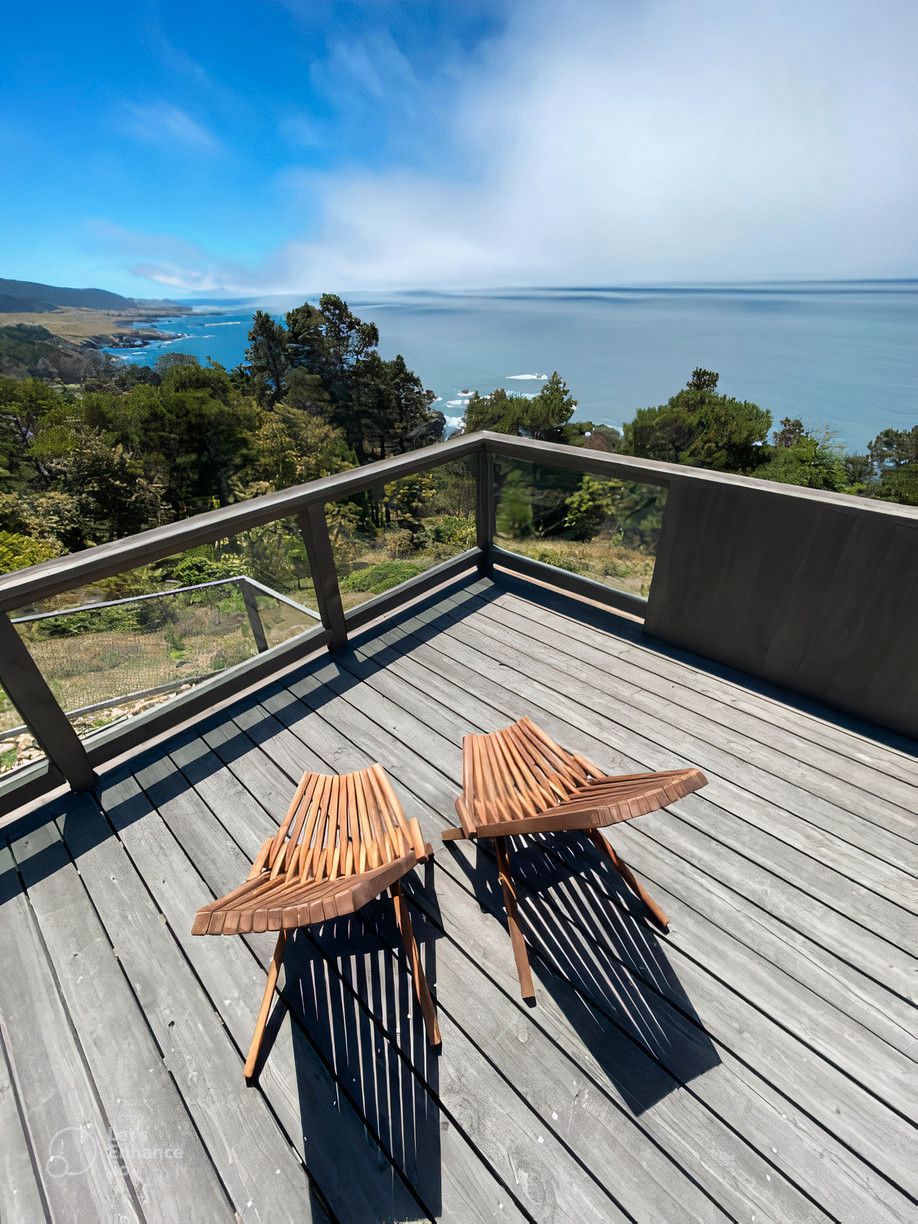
(18, 551)
(381, 576)
(201, 565)
(514, 510)
(456, 530)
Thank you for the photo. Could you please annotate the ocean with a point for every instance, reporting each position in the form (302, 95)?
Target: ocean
(841, 356)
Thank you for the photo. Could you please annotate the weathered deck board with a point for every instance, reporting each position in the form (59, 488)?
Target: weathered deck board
(757, 1064)
(21, 1199)
(735, 709)
(863, 1057)
(770, 1046)
(65, 1121)
(135, 1084)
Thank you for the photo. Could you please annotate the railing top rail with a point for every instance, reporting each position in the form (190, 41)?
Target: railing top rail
(49, 578)
(652, 471)
(91, 564)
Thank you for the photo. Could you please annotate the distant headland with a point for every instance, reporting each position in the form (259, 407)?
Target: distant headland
(88, 318)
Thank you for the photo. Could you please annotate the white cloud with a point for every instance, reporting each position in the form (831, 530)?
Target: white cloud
(168, 260)
(598, 143)
(169, 126)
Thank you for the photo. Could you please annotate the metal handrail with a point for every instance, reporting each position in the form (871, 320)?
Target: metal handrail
(234, 580)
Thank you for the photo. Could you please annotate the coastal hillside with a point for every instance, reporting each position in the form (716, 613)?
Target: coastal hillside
(28, 297)
(39, 322)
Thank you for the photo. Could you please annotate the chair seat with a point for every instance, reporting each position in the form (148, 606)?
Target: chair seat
(519, 780)
(343, 841)
(282, 905)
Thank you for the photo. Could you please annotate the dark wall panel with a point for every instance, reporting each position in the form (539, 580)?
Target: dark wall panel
(816, 595)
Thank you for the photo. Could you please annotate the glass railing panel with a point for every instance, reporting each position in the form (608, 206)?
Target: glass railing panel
(395, 532)
(598, 527)
(114, 649)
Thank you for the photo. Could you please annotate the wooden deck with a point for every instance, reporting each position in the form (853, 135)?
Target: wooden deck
(757, 1064)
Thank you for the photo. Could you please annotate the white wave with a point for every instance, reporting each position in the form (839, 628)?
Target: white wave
(231, 323)
(527, 377)
(438, 400)
(455, 422)
(457, 403)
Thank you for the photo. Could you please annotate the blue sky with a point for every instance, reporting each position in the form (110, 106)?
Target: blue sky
(264, 146)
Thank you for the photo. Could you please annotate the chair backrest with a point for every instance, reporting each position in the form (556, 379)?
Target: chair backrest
(519, 772)
(341, 825)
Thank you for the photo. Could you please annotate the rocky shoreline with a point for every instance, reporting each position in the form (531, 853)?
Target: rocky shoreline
(132, 337)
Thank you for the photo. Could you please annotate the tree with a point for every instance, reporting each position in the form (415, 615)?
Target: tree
(18, 551)
(894, 448)
(291, 447)
(514, 508)
(406, 502)
(894, 453)
(26, 405)
(267, 358)
(589, 507)
(812, 462)
(791, 432)
(545, 417)
(858, 472)
(389, 409)
(110, 490)
(200, 431)
(603, 438)
(703, 380)
(329, 340)
(700, 427)
(168, 361)
(307, 392)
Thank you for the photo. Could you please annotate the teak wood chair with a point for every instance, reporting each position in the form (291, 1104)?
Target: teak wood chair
(344, 840)
(519, 780)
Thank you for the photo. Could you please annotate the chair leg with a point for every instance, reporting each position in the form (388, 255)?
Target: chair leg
(520, 955)
(273, 971)
(422, 990)
(606, 847)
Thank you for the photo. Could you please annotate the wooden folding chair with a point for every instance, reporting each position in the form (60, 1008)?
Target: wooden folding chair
(343, 841)
(519, 780)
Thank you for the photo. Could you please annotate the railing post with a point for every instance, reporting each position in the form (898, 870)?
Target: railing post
(252, 612)
(314, 526)
(484, 508)
(28, 690)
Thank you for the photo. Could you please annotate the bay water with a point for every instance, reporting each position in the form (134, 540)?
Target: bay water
(842, 356)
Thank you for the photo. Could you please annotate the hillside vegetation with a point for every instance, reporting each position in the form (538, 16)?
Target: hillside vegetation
(125, 447)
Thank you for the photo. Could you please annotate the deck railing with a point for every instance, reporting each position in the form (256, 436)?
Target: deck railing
(815, 590)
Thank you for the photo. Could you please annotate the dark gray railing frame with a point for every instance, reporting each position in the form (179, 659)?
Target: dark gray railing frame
(74, 761)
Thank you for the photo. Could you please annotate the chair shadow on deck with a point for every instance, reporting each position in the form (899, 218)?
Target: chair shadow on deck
(603, 964)
(348, 986)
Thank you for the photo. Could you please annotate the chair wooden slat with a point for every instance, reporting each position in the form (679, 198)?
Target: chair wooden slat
(343, 840)
(519, 780)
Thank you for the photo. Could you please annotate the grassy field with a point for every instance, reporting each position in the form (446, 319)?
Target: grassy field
(600, 559)
(77, 323)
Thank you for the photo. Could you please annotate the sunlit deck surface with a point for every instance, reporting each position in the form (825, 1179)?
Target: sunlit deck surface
(756, 1064)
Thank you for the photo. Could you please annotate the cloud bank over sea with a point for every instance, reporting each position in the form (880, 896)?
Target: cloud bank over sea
(590, 143)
